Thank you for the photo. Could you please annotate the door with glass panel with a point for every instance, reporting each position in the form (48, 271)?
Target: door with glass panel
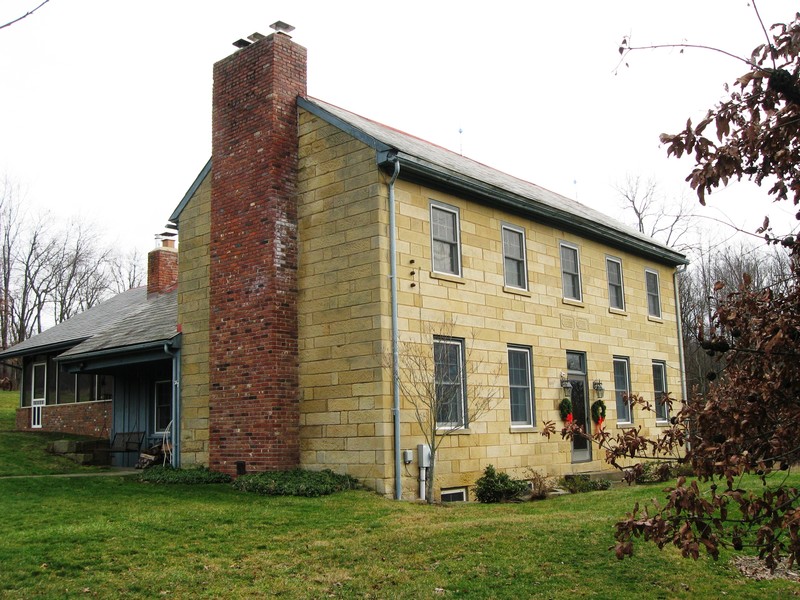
(576, 373)
(38, 393)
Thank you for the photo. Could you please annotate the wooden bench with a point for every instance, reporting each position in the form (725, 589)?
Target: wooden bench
(127, 441)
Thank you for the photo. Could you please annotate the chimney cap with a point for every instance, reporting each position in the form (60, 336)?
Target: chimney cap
(282, 27)
(240, 43)
(256, 37)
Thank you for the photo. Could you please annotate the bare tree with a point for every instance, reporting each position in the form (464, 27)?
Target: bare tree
(668, 221)
(126, 271)
(9, 232)
(712, 266)
(80, 271)
(448, 382)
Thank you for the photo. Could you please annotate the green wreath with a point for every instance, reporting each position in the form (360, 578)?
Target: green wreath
(565, 408)
(598, 411)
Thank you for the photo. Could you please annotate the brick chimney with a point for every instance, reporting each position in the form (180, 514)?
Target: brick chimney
(162, 268)
(253, 398)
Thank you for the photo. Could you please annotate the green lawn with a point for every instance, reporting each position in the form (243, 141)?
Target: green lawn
(112, 537)
(23, 453)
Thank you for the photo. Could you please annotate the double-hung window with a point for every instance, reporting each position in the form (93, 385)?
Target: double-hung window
(516, 273)
(445, 239)
(622, 390)
(660, 391)
(520, 388)
(570, 272)
(448, 357)
(653, 294)
(616, 296)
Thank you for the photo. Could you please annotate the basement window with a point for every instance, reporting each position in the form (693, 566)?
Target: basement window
(454, 495)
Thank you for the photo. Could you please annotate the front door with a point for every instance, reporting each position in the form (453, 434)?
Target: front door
(576, 372)
(38, 393)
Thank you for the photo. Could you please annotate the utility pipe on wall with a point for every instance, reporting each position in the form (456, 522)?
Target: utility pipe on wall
(398, 484)
(175, 354)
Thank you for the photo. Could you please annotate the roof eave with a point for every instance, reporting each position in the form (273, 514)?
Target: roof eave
(176, 214)
(43, 349)
(172, 342)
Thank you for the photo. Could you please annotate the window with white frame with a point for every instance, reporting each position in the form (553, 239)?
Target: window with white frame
(516, 271)
(448, 355)
(653, 294)
(520, 388)
(622, 389)
(660, 390)
(445, 239)
(616, 295)
(570, 272)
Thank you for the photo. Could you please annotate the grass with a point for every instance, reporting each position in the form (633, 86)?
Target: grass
(112, 537)
(23, 453)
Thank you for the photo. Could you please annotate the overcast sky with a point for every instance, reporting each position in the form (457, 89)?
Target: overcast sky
(106, 104)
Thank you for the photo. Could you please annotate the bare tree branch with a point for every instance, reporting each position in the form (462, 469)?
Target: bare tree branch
(27, 14)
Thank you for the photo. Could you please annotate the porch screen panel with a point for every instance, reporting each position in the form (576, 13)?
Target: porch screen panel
(66, 386)
(86, 388)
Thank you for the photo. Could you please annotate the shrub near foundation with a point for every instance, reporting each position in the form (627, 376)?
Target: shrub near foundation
(499, 487)
(167, 474)
(296, 482)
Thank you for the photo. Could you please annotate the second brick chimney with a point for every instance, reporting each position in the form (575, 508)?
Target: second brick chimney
(254, 414)
(162, 268)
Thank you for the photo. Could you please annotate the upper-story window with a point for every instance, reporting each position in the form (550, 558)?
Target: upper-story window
(570, 271)
(516, 271)
(653, 294)
(445, 239)
(616, 295)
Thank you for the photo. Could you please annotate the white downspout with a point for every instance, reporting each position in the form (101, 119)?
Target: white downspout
(675, 287)
(676, 290)
(176, 404)
(398, 484)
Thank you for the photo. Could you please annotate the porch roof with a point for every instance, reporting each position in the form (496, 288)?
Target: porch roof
(84, 325)
(152, 324)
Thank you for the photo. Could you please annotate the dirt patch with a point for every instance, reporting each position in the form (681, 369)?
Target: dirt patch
(752, 567)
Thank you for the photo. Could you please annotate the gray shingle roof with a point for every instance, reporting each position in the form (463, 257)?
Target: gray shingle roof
(125, 319)
(154, 322)
(424, 159)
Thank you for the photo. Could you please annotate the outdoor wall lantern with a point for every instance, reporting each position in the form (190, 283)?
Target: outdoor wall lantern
(566, 385)
(598, 388)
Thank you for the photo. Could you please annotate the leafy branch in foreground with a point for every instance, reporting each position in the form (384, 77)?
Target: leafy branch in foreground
(745, 424)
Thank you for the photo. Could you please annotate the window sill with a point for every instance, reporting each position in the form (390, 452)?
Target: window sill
(663, 423)
(618, 311)
(655, 319)
(523, 429)
(455, 430)
(625, 425)
(573, 302)
(516, 291)
(447, 277)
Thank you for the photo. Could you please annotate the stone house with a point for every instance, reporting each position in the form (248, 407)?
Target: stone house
(315, 240)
